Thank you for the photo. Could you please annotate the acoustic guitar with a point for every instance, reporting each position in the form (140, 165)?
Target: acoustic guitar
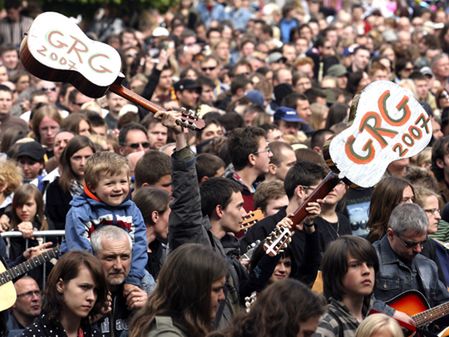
(250, 219)
(388, 124)
(56, 49)
(8, 292)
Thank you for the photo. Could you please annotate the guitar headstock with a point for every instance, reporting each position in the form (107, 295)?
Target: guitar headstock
(278, 240)
(250, 219)
(190, 120)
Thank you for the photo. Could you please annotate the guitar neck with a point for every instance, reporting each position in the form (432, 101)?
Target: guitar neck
(26, 266)
(328, 183)
(430, 315)
(135, 98)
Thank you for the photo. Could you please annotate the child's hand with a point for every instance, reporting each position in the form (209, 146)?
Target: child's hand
(26, 228)
(135, 297)
(4, 223)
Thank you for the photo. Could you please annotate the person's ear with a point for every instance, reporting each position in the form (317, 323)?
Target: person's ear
(440, 163)
(154, 216)
(219, 211)
(272, 169)
(252, 159)
(60, 286)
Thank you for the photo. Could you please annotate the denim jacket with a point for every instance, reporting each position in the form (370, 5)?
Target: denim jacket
(395, 277)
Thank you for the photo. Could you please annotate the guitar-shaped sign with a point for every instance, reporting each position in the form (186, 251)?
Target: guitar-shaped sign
(56, 49)
(8, 292)
(389, 124)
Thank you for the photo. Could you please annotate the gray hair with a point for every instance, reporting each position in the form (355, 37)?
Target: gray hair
(407, 216)
(109, 232)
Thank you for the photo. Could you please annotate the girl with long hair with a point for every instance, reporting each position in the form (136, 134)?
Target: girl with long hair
(389, 193)
(61, 190)
(76, 291)
(188, 294)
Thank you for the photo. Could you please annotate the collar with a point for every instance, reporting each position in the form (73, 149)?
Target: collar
(89, 193)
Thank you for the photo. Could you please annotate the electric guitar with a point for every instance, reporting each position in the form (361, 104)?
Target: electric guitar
(8, 292)
(413, 303)
(56, 49)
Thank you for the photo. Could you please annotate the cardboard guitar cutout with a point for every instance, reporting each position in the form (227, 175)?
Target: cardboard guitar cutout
(388, 124)
(56, 49)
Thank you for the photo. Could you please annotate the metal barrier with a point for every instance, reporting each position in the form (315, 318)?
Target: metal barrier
(36, 234)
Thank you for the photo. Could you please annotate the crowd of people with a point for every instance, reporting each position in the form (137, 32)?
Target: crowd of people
(160, 234)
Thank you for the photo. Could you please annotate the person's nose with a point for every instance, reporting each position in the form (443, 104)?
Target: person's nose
(221, 295)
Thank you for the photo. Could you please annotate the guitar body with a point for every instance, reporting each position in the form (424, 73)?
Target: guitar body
(411, 302)
(8, 293)
(56, 49)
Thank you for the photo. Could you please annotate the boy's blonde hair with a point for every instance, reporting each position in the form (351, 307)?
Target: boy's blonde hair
(10, 176)
(104, 163)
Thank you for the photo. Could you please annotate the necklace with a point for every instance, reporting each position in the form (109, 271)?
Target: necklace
(334, 230)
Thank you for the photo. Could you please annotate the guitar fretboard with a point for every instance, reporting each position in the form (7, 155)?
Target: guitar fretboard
(428, 316)
(26, 266)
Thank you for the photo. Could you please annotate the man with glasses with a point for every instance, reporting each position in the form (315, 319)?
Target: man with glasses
(401, 265)
(211, 68)
(301, 180)
(133, 138)
(27, 307)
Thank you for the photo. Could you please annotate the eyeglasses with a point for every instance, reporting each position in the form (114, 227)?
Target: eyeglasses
(267, 149)
(208, 68)
(432, 211)
(145, 145)
(308, 187)
(30, 294)
(411, 244)
(48, 89)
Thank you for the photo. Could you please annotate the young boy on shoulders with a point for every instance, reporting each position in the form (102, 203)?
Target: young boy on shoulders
(106, 201)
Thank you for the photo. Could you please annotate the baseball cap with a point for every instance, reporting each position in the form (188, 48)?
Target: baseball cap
(275, 57)
(33, 150)
(256, 97)
(337, 70)
(187, 84)
(426, 71)
(287, 114)
(160, 32)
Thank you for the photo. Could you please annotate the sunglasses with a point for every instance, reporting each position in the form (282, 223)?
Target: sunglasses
(208, 68)
(49, 89)
(411, 244)
(135, 146)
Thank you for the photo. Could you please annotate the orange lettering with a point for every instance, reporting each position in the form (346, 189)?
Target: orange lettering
(375, 130)
(357, 158)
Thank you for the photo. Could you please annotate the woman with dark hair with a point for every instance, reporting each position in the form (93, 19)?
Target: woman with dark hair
(76, 291)
(61, 190)
(338, 113)
(185, 302)
(357, 81)
(389, 193)
(285, 309)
